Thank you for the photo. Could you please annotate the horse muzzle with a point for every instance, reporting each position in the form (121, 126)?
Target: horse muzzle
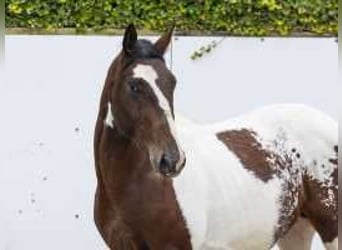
(171, 164)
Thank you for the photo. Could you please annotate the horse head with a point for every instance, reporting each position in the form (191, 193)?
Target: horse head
(140, 100)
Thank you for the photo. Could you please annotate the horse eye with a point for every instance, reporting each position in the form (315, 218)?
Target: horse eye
(133, 85)
(134, 88)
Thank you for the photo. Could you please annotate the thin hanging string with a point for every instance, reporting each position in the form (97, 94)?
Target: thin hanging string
(171, 52)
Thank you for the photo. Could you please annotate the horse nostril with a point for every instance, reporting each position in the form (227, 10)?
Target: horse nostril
(166, 165)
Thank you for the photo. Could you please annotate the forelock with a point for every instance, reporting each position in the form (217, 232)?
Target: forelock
(144, 49)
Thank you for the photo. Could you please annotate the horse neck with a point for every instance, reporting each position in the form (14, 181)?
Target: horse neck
(123, 159)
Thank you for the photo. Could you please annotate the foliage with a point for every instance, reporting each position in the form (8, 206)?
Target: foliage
(235, 17)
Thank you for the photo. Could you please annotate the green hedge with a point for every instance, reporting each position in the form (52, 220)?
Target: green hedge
(236, 17)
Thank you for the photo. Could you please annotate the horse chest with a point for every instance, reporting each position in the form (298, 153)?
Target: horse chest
(224, 205)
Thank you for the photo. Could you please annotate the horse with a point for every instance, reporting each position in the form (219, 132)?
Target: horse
(268, 177)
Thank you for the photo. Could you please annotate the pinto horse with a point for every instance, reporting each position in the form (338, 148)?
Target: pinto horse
(268, 177)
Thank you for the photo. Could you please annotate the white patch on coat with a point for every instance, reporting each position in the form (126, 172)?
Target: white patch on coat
(329, 201)
(225, 205)
(288, 168)
(109, 120)
(148, 73)
(332, 245)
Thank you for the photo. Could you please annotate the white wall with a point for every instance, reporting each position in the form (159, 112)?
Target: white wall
(48, 106)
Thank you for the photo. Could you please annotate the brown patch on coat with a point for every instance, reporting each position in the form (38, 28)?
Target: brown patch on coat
(321, 207)
(321, 201)
(302, 195)
(266, 165)
(249, 151)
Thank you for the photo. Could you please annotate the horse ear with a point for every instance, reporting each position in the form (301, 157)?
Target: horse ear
(163, 42)
(130, 39)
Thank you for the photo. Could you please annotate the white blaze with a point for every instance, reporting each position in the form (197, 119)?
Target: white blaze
(147, 73)
(109, 117)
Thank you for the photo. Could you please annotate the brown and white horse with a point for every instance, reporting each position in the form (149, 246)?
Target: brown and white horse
(268, 177)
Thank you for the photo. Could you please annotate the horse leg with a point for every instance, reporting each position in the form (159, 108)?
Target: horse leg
(299, 237)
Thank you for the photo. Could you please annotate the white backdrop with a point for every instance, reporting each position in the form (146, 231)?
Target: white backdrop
(48, 106)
